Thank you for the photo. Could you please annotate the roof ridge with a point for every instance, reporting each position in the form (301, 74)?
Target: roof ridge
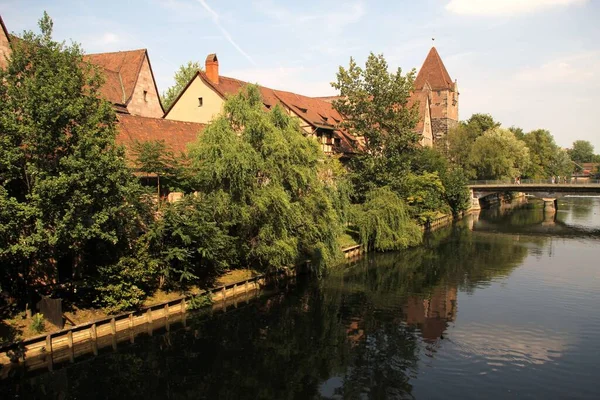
(115, 52)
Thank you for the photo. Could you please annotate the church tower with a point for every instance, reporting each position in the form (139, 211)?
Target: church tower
(433, 78)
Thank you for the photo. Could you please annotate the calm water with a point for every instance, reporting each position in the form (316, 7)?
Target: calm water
(503, 306)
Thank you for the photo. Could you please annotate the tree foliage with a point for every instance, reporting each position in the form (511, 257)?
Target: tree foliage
(384, 223)
(67, 198)
(281, 212)
(547, 159)
(582, 151)
(182, 77)
(498, 154)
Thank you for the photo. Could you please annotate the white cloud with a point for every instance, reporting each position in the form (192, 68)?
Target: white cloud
(109, 38)
(572, 69)
(506, 7)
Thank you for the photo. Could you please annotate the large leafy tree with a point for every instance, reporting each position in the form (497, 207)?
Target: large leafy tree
(266, 174)
(582, 151)
(547, 159)
(374, 103)
(458, 144)
(498, 154)
(182, 77)
(66, 196)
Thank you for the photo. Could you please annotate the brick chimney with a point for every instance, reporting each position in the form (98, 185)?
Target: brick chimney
(211, 66)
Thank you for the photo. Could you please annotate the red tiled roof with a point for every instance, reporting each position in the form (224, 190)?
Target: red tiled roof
(434, 72)
(121, 70)
(175, 134)
(316, 112)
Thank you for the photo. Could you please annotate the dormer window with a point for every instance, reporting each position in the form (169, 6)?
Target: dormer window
(200, 101)
(146, 96)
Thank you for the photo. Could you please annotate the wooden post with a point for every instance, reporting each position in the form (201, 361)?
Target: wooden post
(94, 337)
(71, 348)
(131, 330)
(49, 351)
(224, 294)
(233, 295)
(167, 317)
(183, 312)
(113, 329)
(149, 321)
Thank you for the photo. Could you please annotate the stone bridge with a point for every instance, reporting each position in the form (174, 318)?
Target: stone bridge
(545, 190)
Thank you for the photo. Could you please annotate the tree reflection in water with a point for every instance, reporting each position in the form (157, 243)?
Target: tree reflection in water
(358, 332)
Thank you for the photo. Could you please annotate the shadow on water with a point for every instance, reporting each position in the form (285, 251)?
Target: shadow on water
(358, 332)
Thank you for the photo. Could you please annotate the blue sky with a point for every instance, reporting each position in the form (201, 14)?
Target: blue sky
(530, 63)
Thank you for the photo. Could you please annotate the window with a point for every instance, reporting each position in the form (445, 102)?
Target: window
(146, 96)
(200, 101)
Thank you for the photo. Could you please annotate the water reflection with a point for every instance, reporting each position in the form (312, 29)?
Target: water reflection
(475, 300)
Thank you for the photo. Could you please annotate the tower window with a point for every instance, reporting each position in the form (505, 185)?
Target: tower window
(200, 101)
(145, 95)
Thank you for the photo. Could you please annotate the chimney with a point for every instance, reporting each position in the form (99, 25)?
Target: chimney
(211, 66)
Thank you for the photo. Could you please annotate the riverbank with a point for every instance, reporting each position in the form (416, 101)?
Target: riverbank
(158, 312)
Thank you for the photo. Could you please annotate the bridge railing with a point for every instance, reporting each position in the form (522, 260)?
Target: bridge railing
(570, 181)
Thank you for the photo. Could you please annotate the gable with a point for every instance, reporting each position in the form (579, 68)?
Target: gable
(145, 100)
(187, 105)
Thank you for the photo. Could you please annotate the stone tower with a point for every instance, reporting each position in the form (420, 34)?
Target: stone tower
(433, 78)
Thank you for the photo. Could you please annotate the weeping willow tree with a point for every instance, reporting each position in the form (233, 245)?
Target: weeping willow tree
(267, 175)
(384, 222)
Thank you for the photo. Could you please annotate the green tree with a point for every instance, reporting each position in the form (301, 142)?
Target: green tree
(281, 212)
(182, 77)
(67, 198)
(482, 123)
(547, 159)
(456, 192)
(582, 151)
(498, 154)
(518, 132)
(154, 158)
(457, 146)
(384, 223)
(375, 105)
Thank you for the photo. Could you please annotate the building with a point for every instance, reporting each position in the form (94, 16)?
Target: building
(203, 98)
(5, 49)
(434, 81)
(129, 82)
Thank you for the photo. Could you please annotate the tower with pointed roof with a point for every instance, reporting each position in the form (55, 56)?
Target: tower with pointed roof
(433, 79)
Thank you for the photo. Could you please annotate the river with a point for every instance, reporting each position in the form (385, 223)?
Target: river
(502, 305)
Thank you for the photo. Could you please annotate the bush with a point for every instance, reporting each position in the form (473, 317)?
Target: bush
(126, 284)
(37, 323)
(384, 223)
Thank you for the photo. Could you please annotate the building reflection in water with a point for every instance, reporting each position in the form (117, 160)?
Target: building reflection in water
(432, 314)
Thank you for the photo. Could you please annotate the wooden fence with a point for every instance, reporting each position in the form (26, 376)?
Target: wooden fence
(44, 351)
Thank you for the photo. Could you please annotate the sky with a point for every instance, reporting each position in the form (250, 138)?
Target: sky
(528, 63)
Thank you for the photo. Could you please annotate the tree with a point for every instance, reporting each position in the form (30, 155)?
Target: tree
(582, 151)
(182, 77)
(384, 223)
(267, 173)
(547, 159)
(482, 123)
(155, 158)
(67, 198)
(498, 154)
(374, 103)
(456, 192)
(457, 145)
